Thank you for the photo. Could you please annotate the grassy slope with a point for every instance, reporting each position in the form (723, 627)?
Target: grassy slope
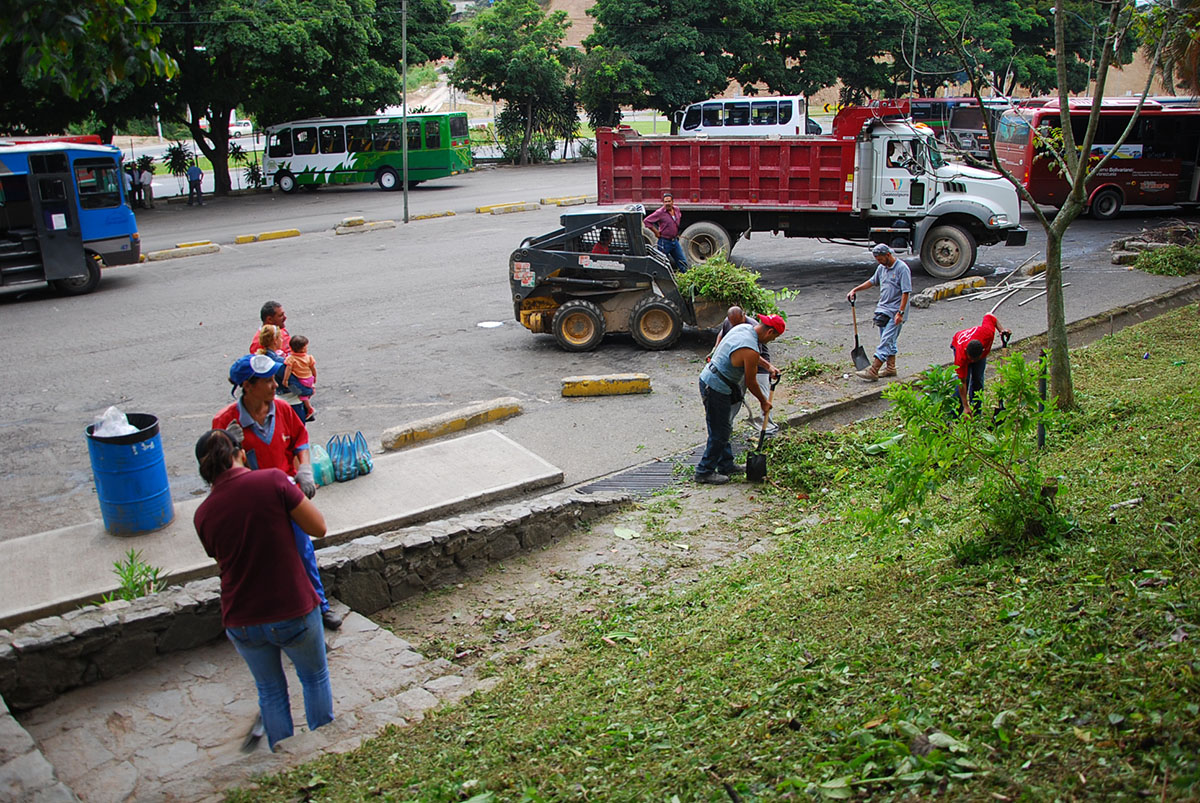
(846, 664)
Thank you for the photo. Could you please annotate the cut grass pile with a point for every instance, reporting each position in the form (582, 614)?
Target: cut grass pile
(843, 664)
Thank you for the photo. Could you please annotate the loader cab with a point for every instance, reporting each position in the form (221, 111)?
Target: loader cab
(584, 229)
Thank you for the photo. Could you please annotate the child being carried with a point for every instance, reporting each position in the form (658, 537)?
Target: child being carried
(300, 373)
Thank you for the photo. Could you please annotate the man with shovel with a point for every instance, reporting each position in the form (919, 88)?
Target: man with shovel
(894, 280)
(723, 384)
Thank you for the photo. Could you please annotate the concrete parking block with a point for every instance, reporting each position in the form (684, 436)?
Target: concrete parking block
(175, 253)
(610, 385)
(570, 200)
(359, 228)
(473, 416)
(483, 210)
(242, 239)
(352, 221)
(504, 210)
(193, 244)
(430, 215)
(278, 235)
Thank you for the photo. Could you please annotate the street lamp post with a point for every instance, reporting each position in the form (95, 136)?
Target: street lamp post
(404, 100)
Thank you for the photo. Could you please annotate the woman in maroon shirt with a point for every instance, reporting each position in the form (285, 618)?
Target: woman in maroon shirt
(268, 605)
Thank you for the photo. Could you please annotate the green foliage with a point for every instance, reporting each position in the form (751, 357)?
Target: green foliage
(177, 158)
(804, 367)
(254, 175)
(1174, 260)
(587, 149)
(999, 449)
(137, 577)
(145, 162)
(721, 281)
(609, 79)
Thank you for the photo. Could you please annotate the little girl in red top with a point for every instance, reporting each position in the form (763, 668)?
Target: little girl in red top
(300, 373)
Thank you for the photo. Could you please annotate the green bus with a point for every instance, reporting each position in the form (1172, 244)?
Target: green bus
(362, 150)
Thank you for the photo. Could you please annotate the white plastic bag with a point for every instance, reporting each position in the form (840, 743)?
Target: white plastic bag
(112, 424)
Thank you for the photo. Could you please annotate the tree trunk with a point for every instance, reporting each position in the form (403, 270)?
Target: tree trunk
(1061, 386)
(528, 138)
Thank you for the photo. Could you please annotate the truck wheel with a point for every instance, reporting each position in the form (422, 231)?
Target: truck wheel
(947, 252)
(655, 323)
(578, 326)
(702, 240)
(1106, 205)
(81, 285)
(285, 181)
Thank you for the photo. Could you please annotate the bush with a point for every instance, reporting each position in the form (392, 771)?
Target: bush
(587, 149)
(719, 280)
(995, 453)
(1174, 260)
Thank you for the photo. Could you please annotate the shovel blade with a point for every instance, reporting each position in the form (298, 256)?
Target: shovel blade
(859, 355)
(756, 467)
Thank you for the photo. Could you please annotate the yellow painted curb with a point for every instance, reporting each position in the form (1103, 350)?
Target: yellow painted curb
(610, 385)
(429, 215)
(278, 235)
(958, 287)
(483, 210)
(173, 253)
(429, 428)
(353, 221)
(504, 210)
(242, 239)
(193, 244)
(570, 200)
(374, 225)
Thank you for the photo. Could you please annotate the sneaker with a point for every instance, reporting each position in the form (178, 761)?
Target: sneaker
(310, 417)
(712, 478)
(250, 744)
(331, 618)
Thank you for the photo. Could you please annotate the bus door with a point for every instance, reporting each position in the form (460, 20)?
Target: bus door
(55, 218)
(903, 176)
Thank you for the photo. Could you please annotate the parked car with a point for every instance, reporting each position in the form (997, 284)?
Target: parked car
(241, 128)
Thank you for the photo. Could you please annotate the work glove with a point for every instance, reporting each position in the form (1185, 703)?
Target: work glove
(235, 431)
(304, 478)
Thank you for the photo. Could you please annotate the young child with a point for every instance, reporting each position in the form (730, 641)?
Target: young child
(300, 373)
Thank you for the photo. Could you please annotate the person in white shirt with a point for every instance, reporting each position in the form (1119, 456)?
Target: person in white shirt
(147, 189)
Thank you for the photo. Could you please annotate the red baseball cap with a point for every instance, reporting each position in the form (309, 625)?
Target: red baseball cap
(773, 321)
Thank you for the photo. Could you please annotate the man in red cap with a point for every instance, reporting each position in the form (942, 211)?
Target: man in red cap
(723, 383)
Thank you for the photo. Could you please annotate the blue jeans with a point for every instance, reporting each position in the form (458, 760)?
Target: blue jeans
(308, 556)
(674, 252)
(887, 340)
(294, 386)
(303, 639)
(718, 454)
(195, 194)
(975, 371)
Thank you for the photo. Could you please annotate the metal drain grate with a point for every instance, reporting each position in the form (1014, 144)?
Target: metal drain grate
(645, 480)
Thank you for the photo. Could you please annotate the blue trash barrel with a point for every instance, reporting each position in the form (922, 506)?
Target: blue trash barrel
(131, 478)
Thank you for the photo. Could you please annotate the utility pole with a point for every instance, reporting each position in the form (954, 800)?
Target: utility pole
(404, 99)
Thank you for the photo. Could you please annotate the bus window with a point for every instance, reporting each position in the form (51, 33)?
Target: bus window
(691, 119)
(785, 112)
(1012, 130)
(765, 113)
(333, 138)
(304, 141)
(433, 134)
(414, 135)
(387, 137)
(97, 180)
(737, 114)
(358, 138)
(458, 128)
(48, 163)
(712, 114)
(280, 144)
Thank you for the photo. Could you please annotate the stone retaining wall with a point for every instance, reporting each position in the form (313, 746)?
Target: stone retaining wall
(42, 659)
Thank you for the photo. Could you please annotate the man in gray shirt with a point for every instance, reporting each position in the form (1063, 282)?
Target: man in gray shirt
(894, 280)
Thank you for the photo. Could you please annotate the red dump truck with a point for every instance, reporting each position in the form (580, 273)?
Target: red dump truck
(879, 177)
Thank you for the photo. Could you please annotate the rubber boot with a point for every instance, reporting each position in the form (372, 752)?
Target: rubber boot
(890, 370)
(871, 372)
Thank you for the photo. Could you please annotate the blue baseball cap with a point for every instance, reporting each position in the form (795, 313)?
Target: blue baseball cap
(252, 365)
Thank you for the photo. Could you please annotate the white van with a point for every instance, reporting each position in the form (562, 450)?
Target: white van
(747, 117)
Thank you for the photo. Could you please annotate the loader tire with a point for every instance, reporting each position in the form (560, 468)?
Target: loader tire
(578, 326)
(655, 323)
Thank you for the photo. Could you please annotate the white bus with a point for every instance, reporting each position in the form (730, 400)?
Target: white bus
(747, 117)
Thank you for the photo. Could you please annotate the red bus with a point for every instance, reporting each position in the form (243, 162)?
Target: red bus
(1156, 165)
(34, 139)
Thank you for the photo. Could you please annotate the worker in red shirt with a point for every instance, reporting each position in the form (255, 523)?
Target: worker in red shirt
(971, 348)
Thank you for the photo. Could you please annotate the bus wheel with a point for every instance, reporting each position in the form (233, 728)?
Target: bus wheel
(388, 180)
(703, 240)
(947, 252)
(578, 326)
(1106, 205)
(655, 323)
(82, 285)
(285, 181)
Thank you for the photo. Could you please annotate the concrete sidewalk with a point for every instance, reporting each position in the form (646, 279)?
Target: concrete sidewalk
(52, 572)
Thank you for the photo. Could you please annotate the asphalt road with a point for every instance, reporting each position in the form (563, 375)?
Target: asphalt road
(394, 322)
